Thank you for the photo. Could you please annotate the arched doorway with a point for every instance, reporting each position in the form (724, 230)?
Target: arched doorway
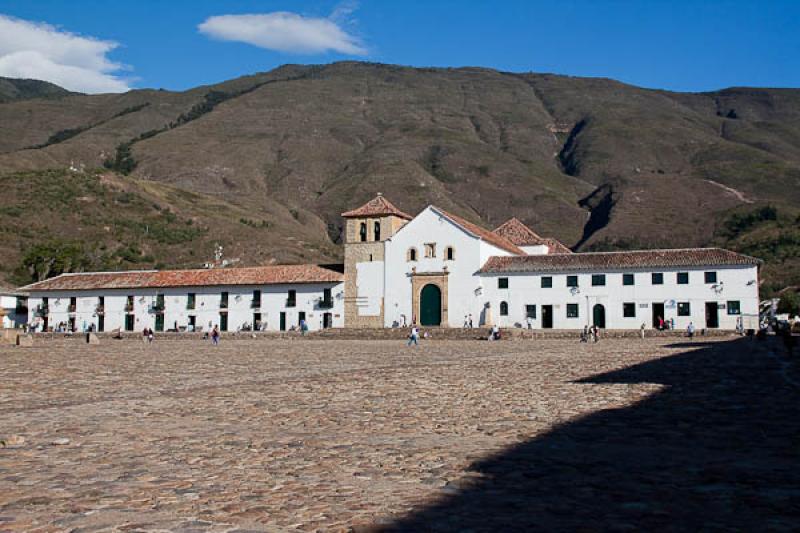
(430, 305)
(599, 315)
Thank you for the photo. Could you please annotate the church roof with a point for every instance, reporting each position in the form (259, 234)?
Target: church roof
(378, 206)
(488, 236)
(521, 235)
(137, 279)
(687, 257)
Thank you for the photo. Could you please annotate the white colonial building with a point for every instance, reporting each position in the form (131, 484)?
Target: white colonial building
(434, 269)
(269, 298)
(13, 310)
(439, 269)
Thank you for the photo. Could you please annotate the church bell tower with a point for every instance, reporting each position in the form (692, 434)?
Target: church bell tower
(366, 230)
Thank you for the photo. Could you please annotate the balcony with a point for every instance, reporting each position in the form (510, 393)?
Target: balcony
(72, 308)
(291, 302)
(100, 309)
(157, 308)
(326, 303)
(255, 304)
(223, 304)
(129, 308)
(42, 310)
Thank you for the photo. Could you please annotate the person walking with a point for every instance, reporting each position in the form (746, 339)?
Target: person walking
(215, 336)
(413, 336)
(595, 333)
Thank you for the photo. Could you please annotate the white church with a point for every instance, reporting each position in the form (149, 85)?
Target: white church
(434, 269)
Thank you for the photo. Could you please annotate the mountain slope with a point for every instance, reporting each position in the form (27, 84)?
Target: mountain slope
(592, 162)
(12, 89)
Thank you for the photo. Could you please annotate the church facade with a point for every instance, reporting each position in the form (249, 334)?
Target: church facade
(438, 269)
(434, 269)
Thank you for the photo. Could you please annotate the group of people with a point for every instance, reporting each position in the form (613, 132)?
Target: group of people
(213, 334)
(665, 324)
(414, 335)
(590, 333)
(467, 321)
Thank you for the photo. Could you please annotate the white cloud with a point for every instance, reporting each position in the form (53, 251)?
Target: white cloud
(43, 52)
(284, 32)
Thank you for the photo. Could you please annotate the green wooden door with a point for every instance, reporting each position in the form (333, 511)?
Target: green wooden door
(599, 315)
(430, 306)
(159, 322)
(283, 321)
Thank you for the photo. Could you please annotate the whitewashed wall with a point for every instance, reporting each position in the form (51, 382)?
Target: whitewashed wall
(207, 306)
(11, 318)
(738, 283)
(369, 283)
(464, 296)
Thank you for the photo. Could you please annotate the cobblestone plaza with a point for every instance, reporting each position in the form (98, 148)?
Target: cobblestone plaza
(273, 435)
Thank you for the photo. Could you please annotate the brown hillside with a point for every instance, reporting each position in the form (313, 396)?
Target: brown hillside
(592, 162)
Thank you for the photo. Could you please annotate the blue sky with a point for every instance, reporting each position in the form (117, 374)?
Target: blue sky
(110, 45)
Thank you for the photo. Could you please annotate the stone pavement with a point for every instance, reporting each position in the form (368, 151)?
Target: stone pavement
(274, 435)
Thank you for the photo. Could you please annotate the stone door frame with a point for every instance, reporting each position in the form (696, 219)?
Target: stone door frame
(418, 282)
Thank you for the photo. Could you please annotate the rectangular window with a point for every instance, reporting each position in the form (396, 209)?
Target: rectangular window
(430, 249)
(598, 280)
(734, 307)
(627, 279)
(502, 283)
(658, 278)
(256, 302)
(572, 310)
(683, 278)
(711, 277)
(629, 310)
(223, 300)
(572, 281)
(191, 300)
(530, 311)
(547, 282)
(129, 304)
(684, 309)
(327, 299)
(291, 301)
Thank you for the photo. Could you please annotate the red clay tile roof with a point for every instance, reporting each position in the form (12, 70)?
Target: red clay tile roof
(521, 235)
(688, 257)
(263, 275)
(488, 236)
(378, 206)
(556, 247)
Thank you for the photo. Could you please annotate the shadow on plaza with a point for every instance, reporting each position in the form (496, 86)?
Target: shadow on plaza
(717, 449)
